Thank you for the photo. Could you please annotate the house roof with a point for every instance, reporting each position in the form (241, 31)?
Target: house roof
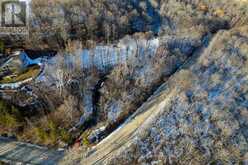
(33, 54)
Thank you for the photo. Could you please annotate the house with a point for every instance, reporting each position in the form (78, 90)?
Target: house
(31, 57)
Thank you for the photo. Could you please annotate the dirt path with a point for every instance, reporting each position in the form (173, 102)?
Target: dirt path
(16, 152)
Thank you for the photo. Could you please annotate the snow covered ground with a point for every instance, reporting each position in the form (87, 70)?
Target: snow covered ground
(101, 57)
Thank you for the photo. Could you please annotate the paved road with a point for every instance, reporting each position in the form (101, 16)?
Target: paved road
(16, 152)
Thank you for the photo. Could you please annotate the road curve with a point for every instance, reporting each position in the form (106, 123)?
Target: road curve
(24, 153)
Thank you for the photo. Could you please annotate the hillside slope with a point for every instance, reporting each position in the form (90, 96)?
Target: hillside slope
(205, 119)
(198, 116)
(198, 52)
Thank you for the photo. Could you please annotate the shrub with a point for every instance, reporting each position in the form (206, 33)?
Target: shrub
(10, 117)
(49, 133)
